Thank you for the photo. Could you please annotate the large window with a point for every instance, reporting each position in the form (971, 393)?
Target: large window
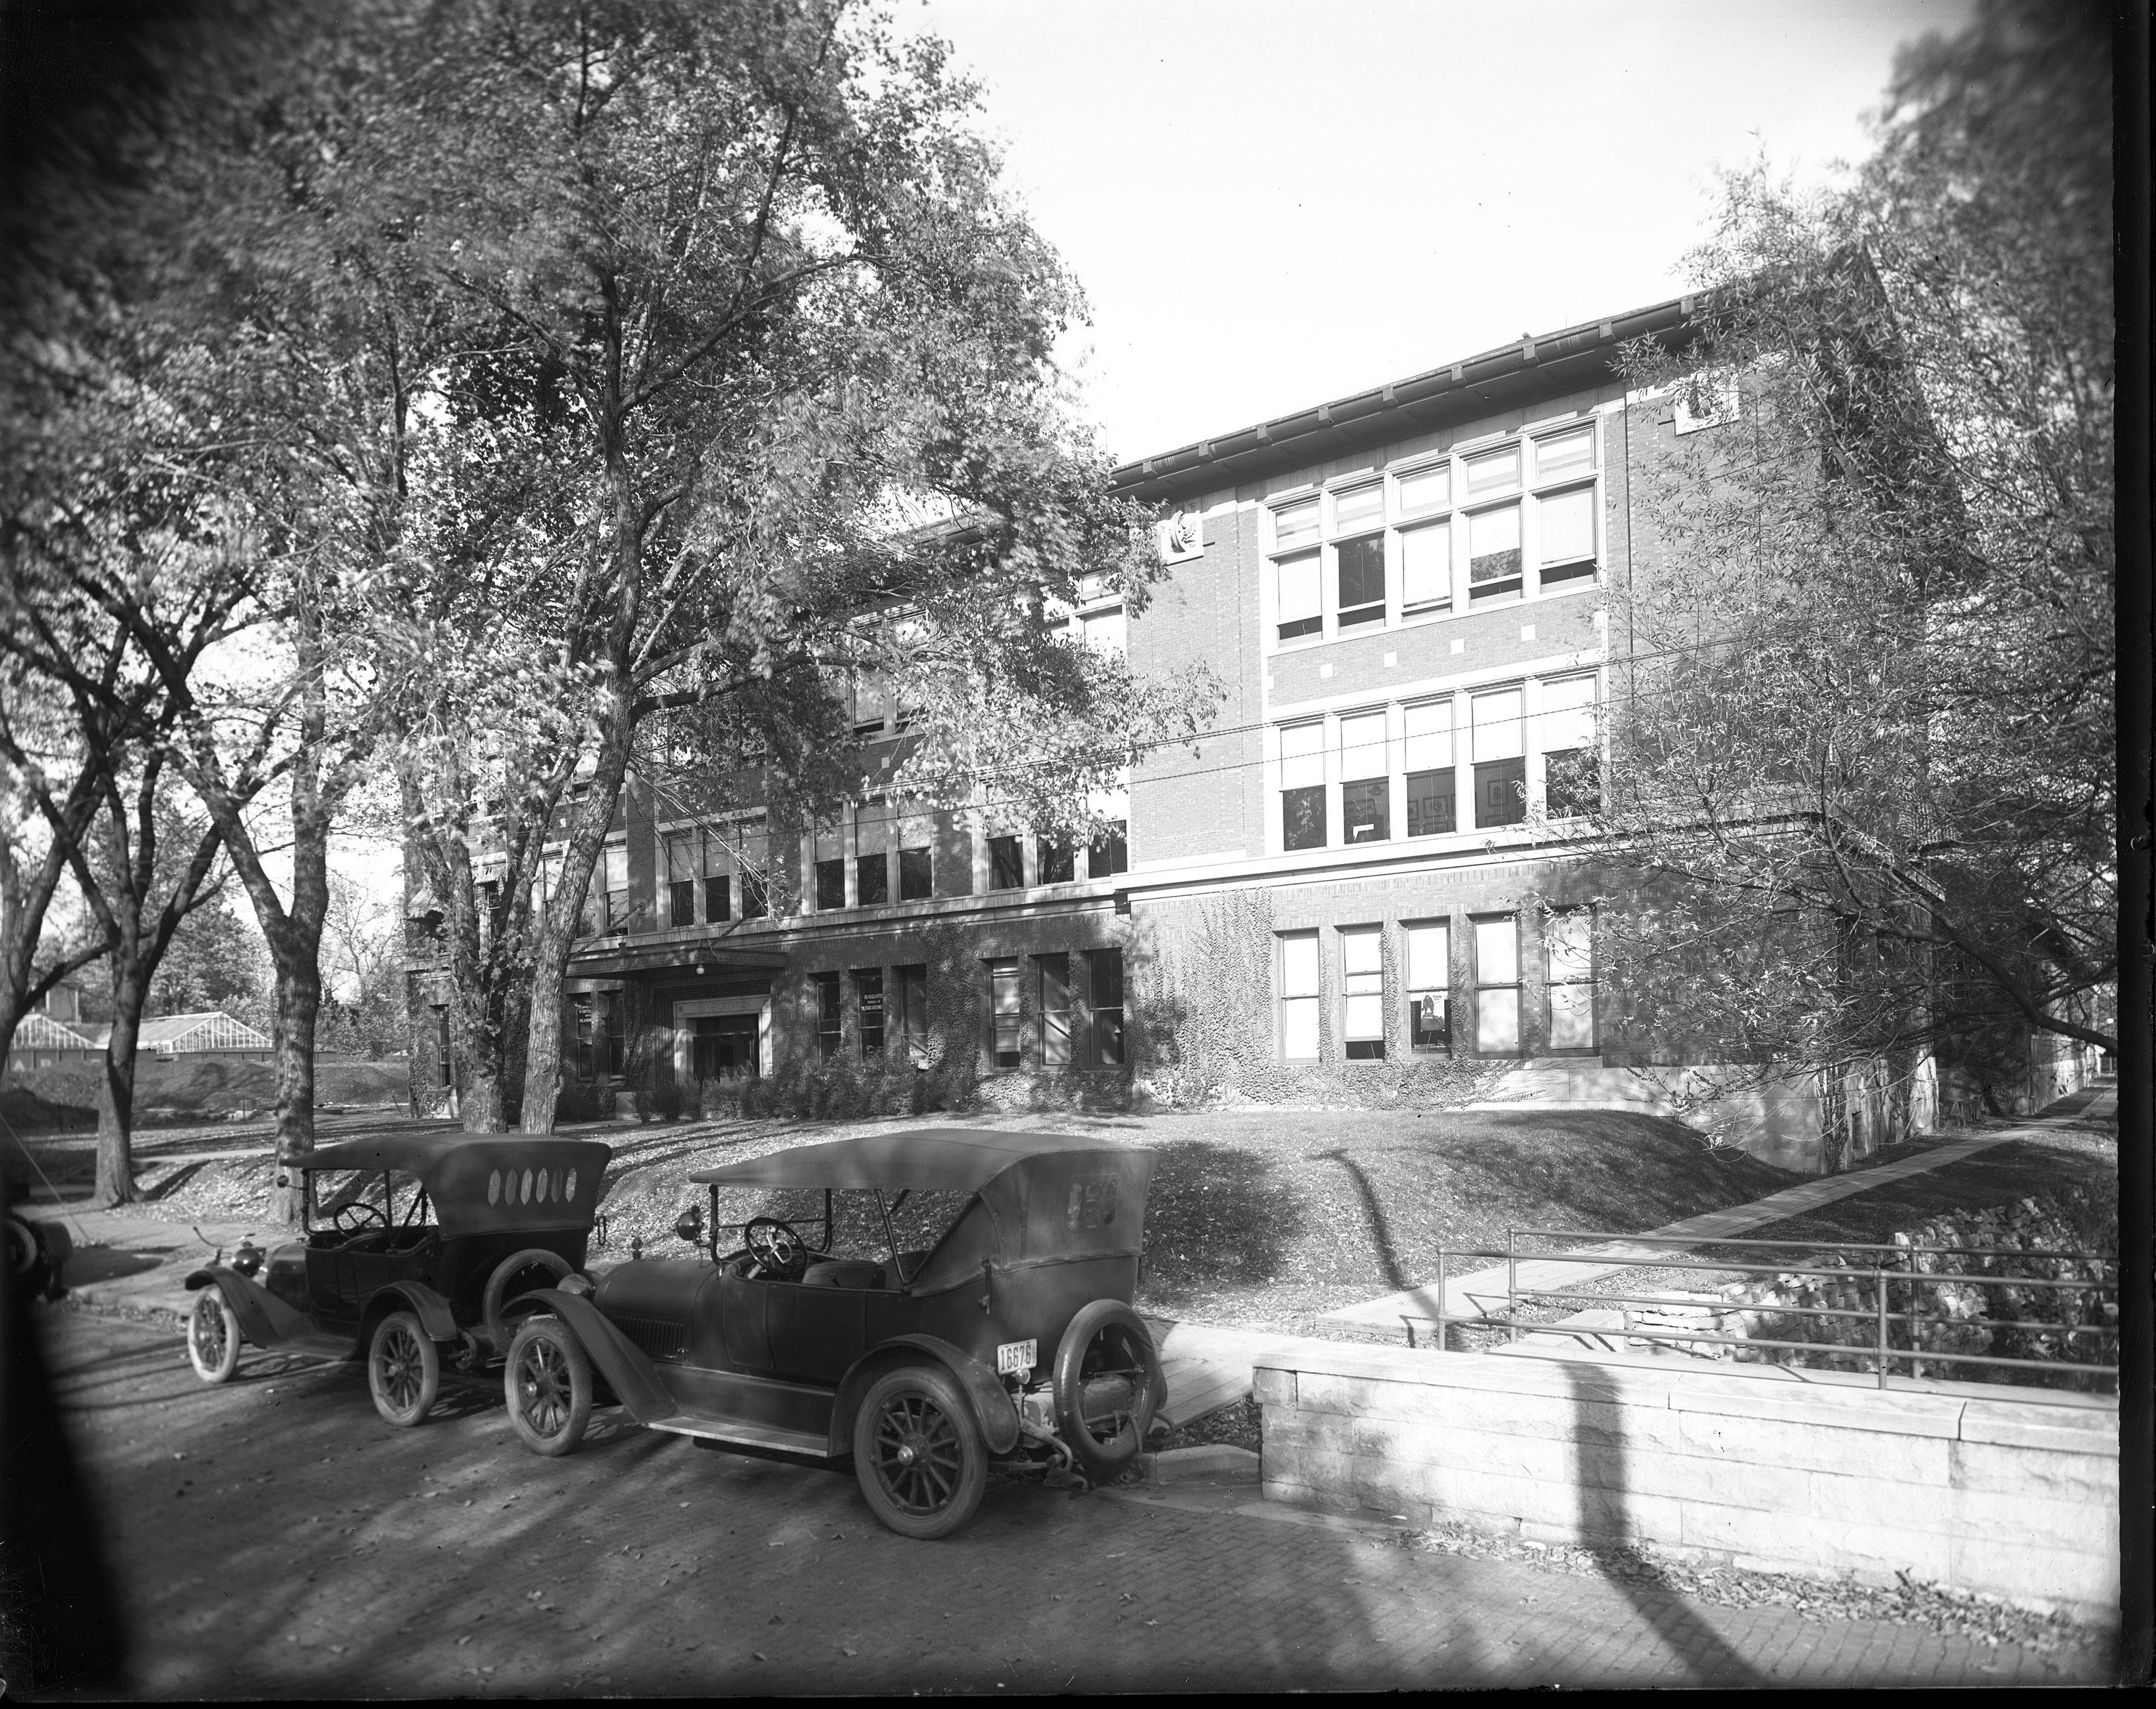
(871, 879)
(831, 1023)
(615, 871)
(1365, 779)
(1006, 863)
(681, 878)
(1565, 505)
(1501, 772)
(1300, 997)
(1429, 986)
(1055, 1010)
(909, 987)
(1302, 787)
(917, 874)
(1298, 585)
(1359, 558)
(1429, 761)
(1568, 953)
(718, 900)
(1362, 992)
(1109, 853)
(868, 1002)
(872, 827)
(831, 883)
(1497, 986)
(1104, 970)
(1571, 782)
(1003, 1014)
(1058, 861)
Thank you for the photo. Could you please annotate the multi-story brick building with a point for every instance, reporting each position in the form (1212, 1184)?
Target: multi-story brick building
(1358, 881)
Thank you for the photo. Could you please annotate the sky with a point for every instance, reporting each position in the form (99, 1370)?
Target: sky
(1271, 204)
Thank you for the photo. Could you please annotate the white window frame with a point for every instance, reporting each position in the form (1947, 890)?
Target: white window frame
(1362, 989)
(1292, 1020)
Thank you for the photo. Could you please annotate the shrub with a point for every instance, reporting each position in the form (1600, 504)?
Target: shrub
(582, 1100)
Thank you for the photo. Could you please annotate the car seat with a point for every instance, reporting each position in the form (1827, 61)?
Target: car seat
(843, 1272)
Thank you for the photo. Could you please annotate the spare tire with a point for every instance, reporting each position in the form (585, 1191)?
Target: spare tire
(516, 1265)
(1107, 1382)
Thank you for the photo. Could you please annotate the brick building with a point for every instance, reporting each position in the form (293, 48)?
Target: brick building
(1358, 884)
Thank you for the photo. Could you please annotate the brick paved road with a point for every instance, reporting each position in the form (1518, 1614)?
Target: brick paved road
(274, 1538)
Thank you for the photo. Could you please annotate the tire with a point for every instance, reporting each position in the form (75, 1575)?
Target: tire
(546, 1383)
(403, 1369)
(918, 1452)
(213, 1337)
(498, 1330)
(1106, 1341)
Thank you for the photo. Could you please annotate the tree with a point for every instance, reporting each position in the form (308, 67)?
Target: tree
(753, 304)
(364, 961)
(1860, 758)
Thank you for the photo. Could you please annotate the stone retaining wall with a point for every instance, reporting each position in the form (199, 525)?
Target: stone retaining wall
(1960, 1485)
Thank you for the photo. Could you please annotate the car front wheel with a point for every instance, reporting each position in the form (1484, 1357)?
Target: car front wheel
(918, 1452)
(547, 1383)
(213, 1337)
(403, 1369)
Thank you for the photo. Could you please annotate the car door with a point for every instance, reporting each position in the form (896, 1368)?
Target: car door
(815, 1333)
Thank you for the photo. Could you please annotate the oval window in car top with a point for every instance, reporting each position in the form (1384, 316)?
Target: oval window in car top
(528, 1186)
(1092, 1201)
(569, 1187)
(493, 1187)
(545, 1185)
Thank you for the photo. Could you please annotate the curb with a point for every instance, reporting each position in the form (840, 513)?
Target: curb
(1209, 1463)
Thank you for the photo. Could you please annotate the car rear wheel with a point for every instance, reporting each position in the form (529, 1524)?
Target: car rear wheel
(547, 1382)
(403, 1369)
(1107, 1385)
(918, 1452)
(213, 1337)
(535, 1267)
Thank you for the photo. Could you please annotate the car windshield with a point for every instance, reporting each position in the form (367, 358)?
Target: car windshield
(917, 1220)
(392, 1194)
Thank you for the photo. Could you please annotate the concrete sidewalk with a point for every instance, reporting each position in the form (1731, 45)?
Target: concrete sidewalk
(1480, 1293)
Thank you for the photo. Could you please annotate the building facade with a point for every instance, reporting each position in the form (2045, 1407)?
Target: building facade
(1357, 885)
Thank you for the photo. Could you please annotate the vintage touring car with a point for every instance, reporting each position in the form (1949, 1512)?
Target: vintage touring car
(1008, 1341)
(414, 1251)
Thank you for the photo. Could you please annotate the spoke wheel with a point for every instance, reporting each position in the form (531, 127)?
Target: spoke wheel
(547, 1384)
(403, 1369)
(918, 1452)
(213, 1337)
(1107, 1385)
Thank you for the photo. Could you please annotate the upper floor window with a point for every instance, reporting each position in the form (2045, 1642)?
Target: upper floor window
(1302, 787)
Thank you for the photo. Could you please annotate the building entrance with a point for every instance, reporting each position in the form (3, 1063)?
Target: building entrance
(724, 1047)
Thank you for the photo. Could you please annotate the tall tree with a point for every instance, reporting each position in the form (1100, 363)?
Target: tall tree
(756, 303)
(1862, 755)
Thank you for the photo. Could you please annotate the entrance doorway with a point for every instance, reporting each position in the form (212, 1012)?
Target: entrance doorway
(723, 1048)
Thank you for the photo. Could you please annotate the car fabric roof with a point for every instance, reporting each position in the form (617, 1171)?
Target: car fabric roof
(420, 1152)
(925, 1160)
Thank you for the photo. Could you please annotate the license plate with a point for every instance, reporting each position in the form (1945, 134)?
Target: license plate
(1015, 1358)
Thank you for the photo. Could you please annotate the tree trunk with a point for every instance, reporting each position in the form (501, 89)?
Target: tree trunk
(542, 1049)
(116, 1096)
(299, 1003)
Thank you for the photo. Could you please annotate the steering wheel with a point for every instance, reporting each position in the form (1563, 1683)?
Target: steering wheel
(363, 1215)
(776, 1248)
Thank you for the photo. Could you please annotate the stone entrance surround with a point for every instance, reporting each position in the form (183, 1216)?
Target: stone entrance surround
(2012, 1493)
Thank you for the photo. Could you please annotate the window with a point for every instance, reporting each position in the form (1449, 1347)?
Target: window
(831, 1026)
(718, 903)
(1561, 456)
(1105, 631)
(1059, 861)
(724, 1047)
(756, 895)
(1493, 472)
(1500, 773)
(1055, 1010)
(681, 879)
(872, 879)
(1104, 971)
(1497, 986)
(916, 875)
(616, 879)
(1493, 553)
(1302, 787)
(614, 1008)
(1109, 853)
(1572, 783)
(1425, 489)
(1362, 992)
(909, 986)
(1003, 1014)
(871, 697)
(1564, 518)
(1426, 568)
(1365, 791)
(1006, 863)
(1301, 608)
(581, 1009)
(445, 1065)
(1429, 986)
(1295, 525)
(830, 884)
(873, 825)
(1359, 566)
(868, 1001)
(1568, 954)
(1299, 996)
(1429, 758)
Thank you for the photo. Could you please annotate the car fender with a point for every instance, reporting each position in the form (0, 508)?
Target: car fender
(430, 1308)
(264, 1319)
(992, 1407)
(633, 1377)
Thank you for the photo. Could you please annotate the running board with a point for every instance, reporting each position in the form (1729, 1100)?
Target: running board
(747, 1435)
